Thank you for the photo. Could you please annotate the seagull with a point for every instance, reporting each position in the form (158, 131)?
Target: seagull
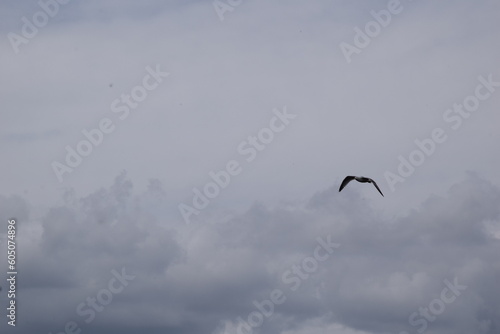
(361, 179)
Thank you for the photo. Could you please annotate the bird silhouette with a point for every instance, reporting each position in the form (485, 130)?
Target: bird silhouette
(361, 179)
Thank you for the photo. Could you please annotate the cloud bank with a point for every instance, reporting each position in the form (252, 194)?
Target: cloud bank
(216, 274)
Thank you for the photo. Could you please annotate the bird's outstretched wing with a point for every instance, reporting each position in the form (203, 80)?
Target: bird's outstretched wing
(346, 181)
(375, 184)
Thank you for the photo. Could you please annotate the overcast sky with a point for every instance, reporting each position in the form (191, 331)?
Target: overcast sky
(173, 166)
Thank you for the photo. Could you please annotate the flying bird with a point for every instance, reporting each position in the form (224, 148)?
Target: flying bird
(361, 179)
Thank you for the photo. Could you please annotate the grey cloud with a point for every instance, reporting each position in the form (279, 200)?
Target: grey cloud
(225, 79)
(198, 277)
